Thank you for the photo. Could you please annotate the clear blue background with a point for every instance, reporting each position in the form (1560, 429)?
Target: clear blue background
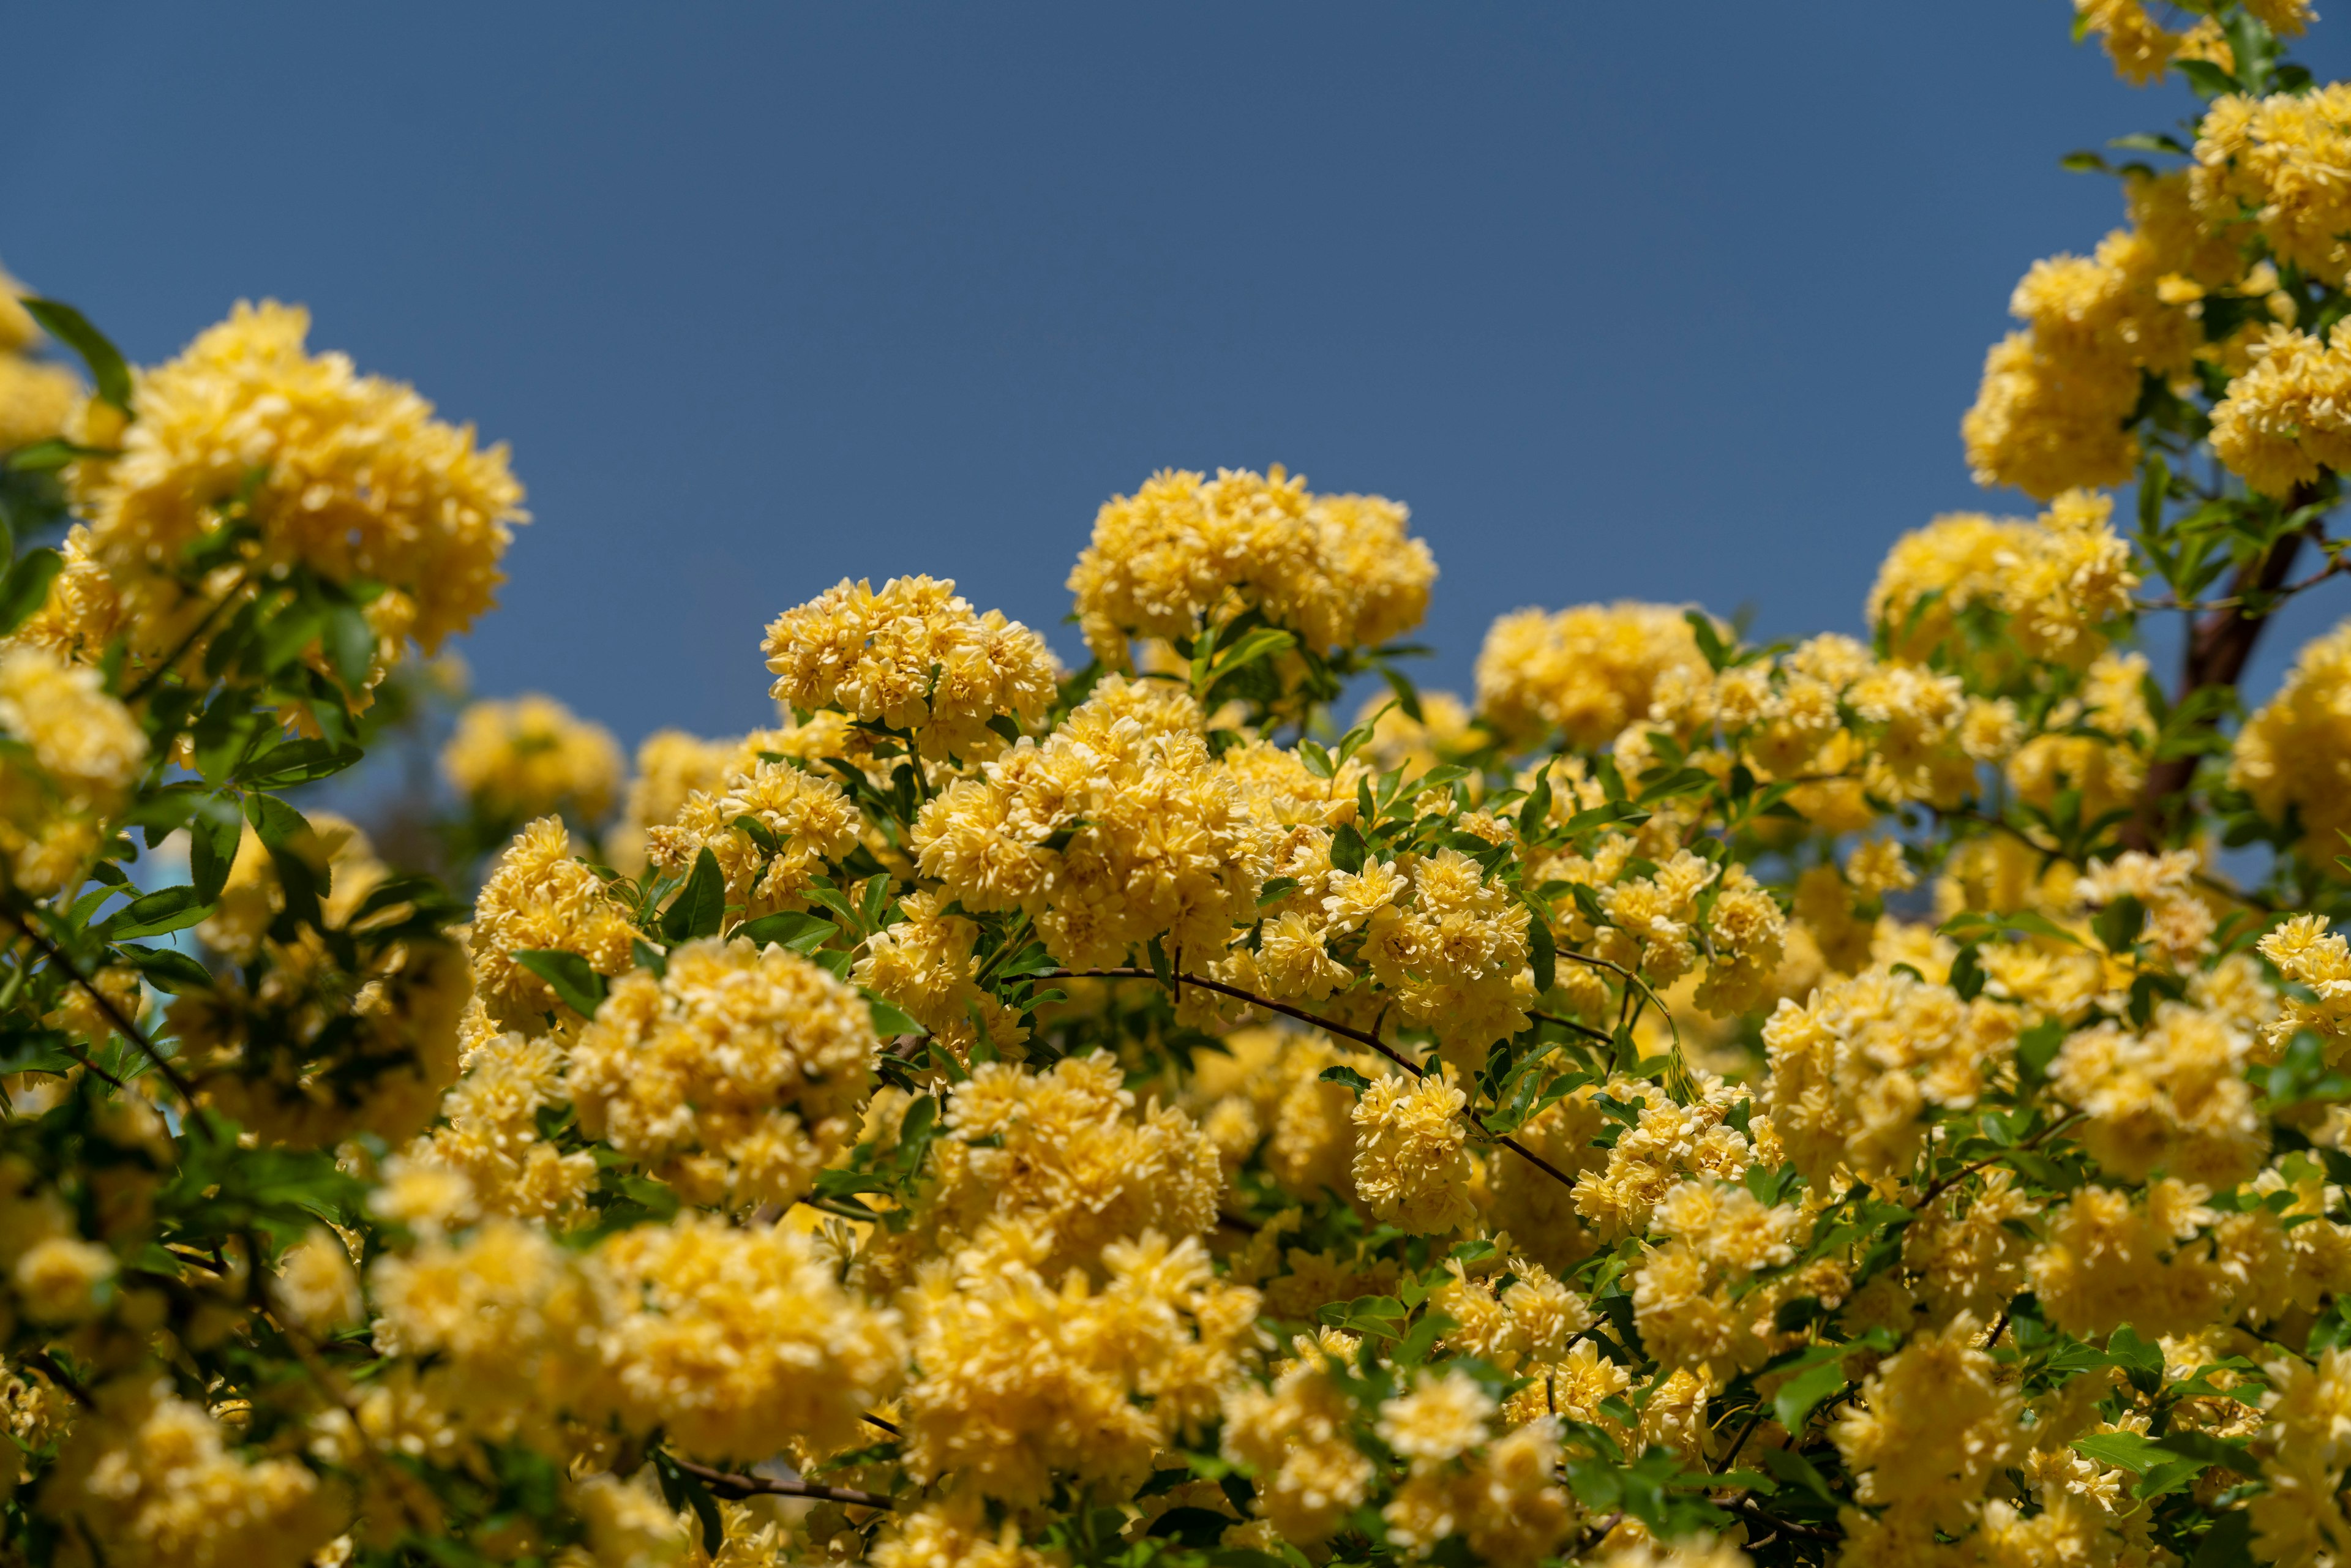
(1665, 302)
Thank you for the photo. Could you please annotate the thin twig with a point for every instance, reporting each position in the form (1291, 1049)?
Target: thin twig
(1330, 1025)
(1585, 1029)
(1938, 1188)
(870, 1419)
(48, 1368)
(1754, 1420)
(171, 660)
(1748, 1510)
(727, 1484)
(106, 1005)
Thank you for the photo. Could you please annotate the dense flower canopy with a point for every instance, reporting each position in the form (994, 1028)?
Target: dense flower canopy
(1877, 1099)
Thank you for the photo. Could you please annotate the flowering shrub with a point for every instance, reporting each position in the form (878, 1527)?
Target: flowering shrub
(1697, 1104)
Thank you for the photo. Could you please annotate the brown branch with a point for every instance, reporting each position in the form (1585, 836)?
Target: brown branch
(2218, 645)
(728, 1485)
(1329, 1025)
(106, 1005)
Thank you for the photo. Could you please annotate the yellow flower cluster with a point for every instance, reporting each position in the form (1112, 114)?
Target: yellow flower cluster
(151, 1480)
(914, 657)
(2278, 161)
(1500, 1496)
(2108, 763)
(2290, 414)
(1021, 1379)
(531, 757)
(1689, 1295)
(1411, 1159)
(491, 1133)
(541, 898)
(2294, 753)
(1267, 1095)
(1118, 827)
(738, 1341)
(2307, 953)
(1294, 1437)
(734, 1077)
(735, 1341)
(78, 752)
(1585, 672)
(1854, 1069)
(2304, 1446)
(2172, 1097)
(1185, 552)
(923, 964)
(1067, 1156)
(2056, 398)
(350, 476)
(810, 819)
(1933, 1425)
(37, 399)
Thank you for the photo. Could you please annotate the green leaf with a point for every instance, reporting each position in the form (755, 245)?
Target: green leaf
(2129, 1450)
(296, 763)
(794, 928)
(1536, 812)
(69, 326)
(1258, 642)
(168, 969)
(167, 909)
(350, 645)
(1709, 640)
(1162, 968)
(215, 829)
(1347, 849)
(1606, 815)
(1542, 952)
(573, 980)
(889, 1020)
(47, 456)
(700, 905)
(1347, 1075)
(2205, 79)
(27, 587)
(1681, 781)
(2037, 1047)
(1408, 695)
(1799, 1394)
(2228, 1544)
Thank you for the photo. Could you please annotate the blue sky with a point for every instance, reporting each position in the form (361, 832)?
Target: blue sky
(1678, 303)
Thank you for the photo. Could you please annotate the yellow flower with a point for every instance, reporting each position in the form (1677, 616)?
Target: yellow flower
(2280, 159)
(914, 656)
(2295, 752)
(1586, 672)
(531, 757)
(348, 476)
(734, 1076)
(539, 898)
(81, 753)
(1412, 1162)
(1186, 551)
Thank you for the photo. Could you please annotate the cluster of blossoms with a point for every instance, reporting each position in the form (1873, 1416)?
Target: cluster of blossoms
(37, 397)
(1874, 1100)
